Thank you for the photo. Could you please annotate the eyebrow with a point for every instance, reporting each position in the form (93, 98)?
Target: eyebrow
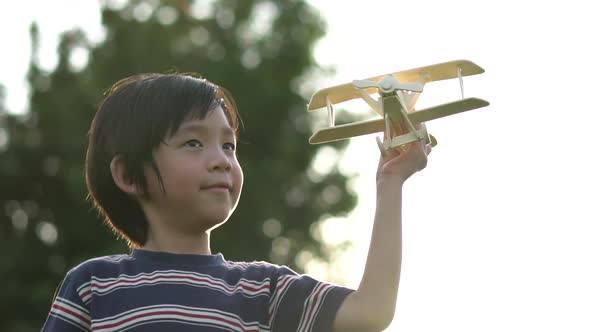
(195, 127)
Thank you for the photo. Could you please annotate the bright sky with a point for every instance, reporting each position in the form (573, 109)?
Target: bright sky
(496, 229)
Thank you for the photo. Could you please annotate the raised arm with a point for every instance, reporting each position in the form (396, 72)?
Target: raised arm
(372, 306)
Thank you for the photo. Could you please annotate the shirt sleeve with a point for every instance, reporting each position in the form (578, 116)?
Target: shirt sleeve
(68, 312)
(300, 303)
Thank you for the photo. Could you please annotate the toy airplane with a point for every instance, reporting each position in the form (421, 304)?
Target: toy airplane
(398, 93)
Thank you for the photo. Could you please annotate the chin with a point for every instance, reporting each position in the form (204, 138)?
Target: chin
(215, 220)
(213, 227)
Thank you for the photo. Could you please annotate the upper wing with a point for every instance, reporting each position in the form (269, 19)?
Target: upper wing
(437, 72)
(337, 94)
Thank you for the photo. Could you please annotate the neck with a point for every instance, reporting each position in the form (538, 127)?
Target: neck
(177, 242)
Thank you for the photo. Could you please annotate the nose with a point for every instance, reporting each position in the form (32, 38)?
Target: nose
(219, 160)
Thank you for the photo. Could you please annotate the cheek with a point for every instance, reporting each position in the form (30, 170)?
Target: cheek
(173, 179)
(238, 179)
(185, 178)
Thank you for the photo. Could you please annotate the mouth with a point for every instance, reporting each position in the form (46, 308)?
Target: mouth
(217, 187)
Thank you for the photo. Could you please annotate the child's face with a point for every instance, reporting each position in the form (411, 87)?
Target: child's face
(201, 175)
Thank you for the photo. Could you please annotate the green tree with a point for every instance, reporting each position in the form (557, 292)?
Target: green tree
(259, 50)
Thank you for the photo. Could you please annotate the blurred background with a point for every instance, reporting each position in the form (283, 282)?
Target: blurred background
(496, 229)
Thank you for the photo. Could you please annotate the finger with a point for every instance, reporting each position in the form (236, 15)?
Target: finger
(421, 158)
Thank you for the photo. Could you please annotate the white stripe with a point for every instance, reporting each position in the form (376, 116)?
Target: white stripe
(85, 288)
(130, 279)
(260, 288)
(69, 319)
(261, 328)
(110, 259)
(283, 284)
(66, 316)
(79, 308)
(310, 309)
(305, 310)
(320, 304)
(116, 258)
(157, 277)
(245, 265)
(241, 287)
(184, 323)
(212, 317)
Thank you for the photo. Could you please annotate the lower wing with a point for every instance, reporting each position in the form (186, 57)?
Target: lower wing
(374, 126)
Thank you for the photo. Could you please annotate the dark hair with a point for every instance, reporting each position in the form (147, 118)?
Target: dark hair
(136, 115)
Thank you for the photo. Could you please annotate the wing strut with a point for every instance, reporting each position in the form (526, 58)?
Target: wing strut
(330, 108)
(460, 76)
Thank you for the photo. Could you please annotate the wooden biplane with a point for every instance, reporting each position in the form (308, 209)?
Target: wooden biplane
(397, 95)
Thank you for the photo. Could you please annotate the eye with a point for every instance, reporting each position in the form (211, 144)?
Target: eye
(229, 146)
(193, 143)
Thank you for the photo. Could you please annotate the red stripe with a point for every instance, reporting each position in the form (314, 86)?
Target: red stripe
(86, 293)
(307, 320)
(73, 313)
(138, 316)
(283, 283)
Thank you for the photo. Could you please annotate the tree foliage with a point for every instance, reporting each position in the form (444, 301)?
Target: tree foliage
(259, 50)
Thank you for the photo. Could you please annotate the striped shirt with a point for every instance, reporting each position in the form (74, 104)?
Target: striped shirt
(155, 291)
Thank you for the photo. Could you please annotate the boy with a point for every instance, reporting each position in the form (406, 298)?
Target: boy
(161, 169)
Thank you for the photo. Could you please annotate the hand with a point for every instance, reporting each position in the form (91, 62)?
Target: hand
(403, 161)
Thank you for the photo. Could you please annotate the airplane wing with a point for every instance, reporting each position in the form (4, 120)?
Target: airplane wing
(337, 94)
(447, 109)
(348, 130)
(436, 72)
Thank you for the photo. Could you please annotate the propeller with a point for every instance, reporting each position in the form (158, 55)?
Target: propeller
(388, 84)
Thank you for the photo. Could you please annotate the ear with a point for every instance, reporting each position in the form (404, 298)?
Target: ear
(119, 174)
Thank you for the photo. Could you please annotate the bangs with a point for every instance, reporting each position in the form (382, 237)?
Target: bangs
(190, 98)
(168, 100)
